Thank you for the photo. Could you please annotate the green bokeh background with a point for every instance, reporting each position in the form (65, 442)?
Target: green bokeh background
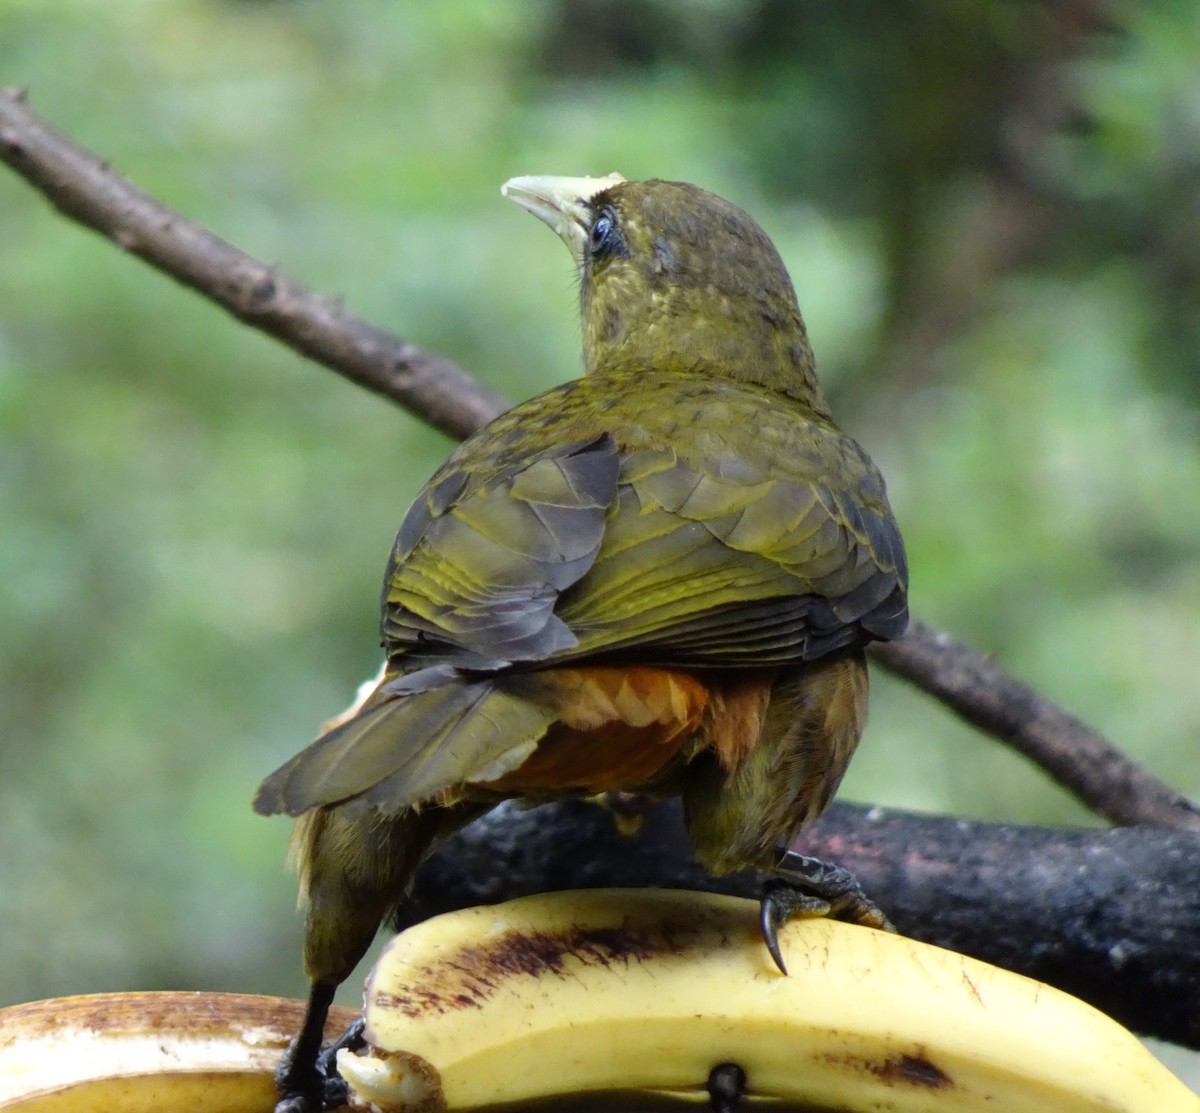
(992, 214)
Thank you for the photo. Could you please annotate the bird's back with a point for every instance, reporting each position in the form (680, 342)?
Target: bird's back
(724, 524)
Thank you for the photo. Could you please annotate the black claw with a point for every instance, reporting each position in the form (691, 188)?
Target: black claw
(293, 1103)
(809, 887)
(726, 1085)
(352, 1039)
(335, 1093)
(832, 885)
(769, 922)
(334, 1090)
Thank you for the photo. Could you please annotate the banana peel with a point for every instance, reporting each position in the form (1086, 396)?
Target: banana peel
(576, 996)
(619, 991)
(147, 1052)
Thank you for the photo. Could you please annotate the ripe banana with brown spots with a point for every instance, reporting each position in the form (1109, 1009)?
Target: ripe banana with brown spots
(147, 1052)
(646, 992)
(570, 997)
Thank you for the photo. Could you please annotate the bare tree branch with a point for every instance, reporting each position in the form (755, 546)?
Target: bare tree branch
(1082, 761)
(87, 190)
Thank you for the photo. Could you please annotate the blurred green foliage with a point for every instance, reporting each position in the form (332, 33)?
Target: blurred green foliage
(992, 214)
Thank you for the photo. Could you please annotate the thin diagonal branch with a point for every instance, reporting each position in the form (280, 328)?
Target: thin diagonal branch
(1084, 762)
(87, 190)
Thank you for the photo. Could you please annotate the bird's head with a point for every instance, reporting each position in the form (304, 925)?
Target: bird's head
(676, 278)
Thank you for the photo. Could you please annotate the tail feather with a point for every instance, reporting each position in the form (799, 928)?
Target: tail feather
(401, 752)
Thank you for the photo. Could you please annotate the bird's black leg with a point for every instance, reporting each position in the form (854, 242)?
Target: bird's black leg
(803, 886)
(307, 1078)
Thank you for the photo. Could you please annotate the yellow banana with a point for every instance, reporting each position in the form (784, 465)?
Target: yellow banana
(612, 991)
(620, 990)
(146, 1053)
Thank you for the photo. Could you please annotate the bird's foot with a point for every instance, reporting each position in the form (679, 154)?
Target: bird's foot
(804, 886)
(316, 1086)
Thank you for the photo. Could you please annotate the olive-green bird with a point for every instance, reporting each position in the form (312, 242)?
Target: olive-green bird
(657, 578)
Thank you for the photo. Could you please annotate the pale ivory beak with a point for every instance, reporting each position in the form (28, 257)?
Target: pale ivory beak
(562, 203)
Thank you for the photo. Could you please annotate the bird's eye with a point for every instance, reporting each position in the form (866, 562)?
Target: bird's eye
(604, 238)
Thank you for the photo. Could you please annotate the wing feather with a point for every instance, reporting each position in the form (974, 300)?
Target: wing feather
(480, 572)
(403, 751)
(690, 542)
